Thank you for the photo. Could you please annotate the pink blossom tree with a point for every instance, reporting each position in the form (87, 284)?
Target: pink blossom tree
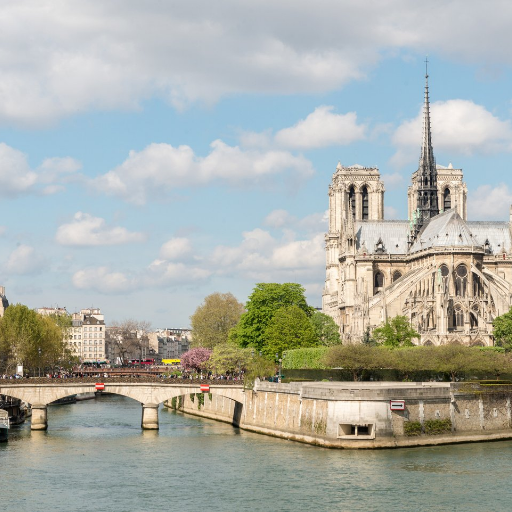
(195, 358)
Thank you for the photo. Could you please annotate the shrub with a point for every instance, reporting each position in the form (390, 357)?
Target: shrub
(412, 428)
(435, 427)
(304, 358)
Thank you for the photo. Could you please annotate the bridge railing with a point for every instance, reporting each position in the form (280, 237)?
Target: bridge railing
(119, 380)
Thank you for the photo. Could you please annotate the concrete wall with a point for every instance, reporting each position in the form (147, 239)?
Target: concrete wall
(358, 415)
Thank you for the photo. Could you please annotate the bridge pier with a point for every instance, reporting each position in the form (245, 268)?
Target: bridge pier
(149, 417)
(39, 419)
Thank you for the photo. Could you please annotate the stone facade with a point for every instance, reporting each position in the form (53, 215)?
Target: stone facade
(451, 277)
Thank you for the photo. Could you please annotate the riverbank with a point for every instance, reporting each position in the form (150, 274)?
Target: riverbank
(365, 415)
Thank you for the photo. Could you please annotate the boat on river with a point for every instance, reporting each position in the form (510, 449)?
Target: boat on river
(4, 425)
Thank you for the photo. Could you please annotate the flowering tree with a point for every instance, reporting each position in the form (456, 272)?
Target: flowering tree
(195, 358)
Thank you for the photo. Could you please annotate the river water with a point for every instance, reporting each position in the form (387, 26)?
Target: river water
(95, 457)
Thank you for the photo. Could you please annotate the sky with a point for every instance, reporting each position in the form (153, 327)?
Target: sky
(155, 152)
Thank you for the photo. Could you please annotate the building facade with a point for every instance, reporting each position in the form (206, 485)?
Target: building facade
(451, 277)
(88, 335)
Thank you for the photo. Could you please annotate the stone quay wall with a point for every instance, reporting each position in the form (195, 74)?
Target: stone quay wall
(359, 415)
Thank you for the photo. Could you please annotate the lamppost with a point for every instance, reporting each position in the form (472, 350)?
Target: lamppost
(39, 360)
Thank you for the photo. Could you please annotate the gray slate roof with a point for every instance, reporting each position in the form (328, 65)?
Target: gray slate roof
(393, 234)
(447, 229)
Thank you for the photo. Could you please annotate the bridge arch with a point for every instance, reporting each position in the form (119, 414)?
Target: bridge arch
(149, 394)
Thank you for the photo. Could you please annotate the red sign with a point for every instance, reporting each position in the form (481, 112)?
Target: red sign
(205, 388)
(397, 405)
(100, 386)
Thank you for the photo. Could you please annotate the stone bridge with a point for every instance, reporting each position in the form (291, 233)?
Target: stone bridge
(149, 394)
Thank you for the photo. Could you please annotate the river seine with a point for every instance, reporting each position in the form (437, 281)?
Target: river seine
(95, 457)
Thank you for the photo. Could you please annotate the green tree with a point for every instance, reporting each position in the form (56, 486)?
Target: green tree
(33, 340)
(395, 333)
(265, 300)
(289, 328)
(502, 330)
(258, 367)
(454, 359)
(214, 318)
(228, 358)
(326, 329)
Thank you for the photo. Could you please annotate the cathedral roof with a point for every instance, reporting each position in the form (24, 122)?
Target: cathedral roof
(497, 234)
(392, 234)
(447, 229)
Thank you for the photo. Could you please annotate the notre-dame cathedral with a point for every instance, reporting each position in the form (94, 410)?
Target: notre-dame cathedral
(451, 277)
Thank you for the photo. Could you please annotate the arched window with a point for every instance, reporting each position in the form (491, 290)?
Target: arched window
(473, 319)
(352, 201)
(396, 275)
(477, 286)
(364, 193)
(379, 281)
(447, 204)
(461, 280)
(458, 318)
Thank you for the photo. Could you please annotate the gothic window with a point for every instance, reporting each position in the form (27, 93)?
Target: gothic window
(379, 281)
(396, 275)
(364, 193)
(473, 320)
(447, 199)
(458, 318)
(352, 201)
(461, 280)
(477, 285)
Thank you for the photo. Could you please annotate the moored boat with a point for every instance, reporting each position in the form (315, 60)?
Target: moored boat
(4, 425)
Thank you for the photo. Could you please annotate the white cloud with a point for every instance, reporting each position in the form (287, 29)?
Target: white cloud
(395, 180)
(102, 280)
(16, 176)
(488, 202)
(24, 260)
(109, 55)
(161, 167)
(86, 230)
(263, 257)
(176, 249)
(15, 173)
(320, 129)
(390, 213)
(458, 126)
(279, 219)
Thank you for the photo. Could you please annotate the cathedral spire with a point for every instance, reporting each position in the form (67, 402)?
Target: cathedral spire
(427, 203)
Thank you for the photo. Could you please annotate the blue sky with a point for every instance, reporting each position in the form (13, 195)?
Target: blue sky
(152, 153)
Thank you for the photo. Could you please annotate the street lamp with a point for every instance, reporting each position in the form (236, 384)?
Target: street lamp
(39, 360)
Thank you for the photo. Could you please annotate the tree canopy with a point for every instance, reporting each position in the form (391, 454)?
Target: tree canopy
(396, 332)
(502, 330)
(33, 340)
(214, 318)
(326, 329)
(265, 300)
(196, 358)
(289, 328)
(228, 358)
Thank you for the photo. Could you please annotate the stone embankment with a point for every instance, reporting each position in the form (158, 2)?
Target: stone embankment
(364, 414)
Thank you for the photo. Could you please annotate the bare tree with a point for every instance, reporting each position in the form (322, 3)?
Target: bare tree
(128, 340)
